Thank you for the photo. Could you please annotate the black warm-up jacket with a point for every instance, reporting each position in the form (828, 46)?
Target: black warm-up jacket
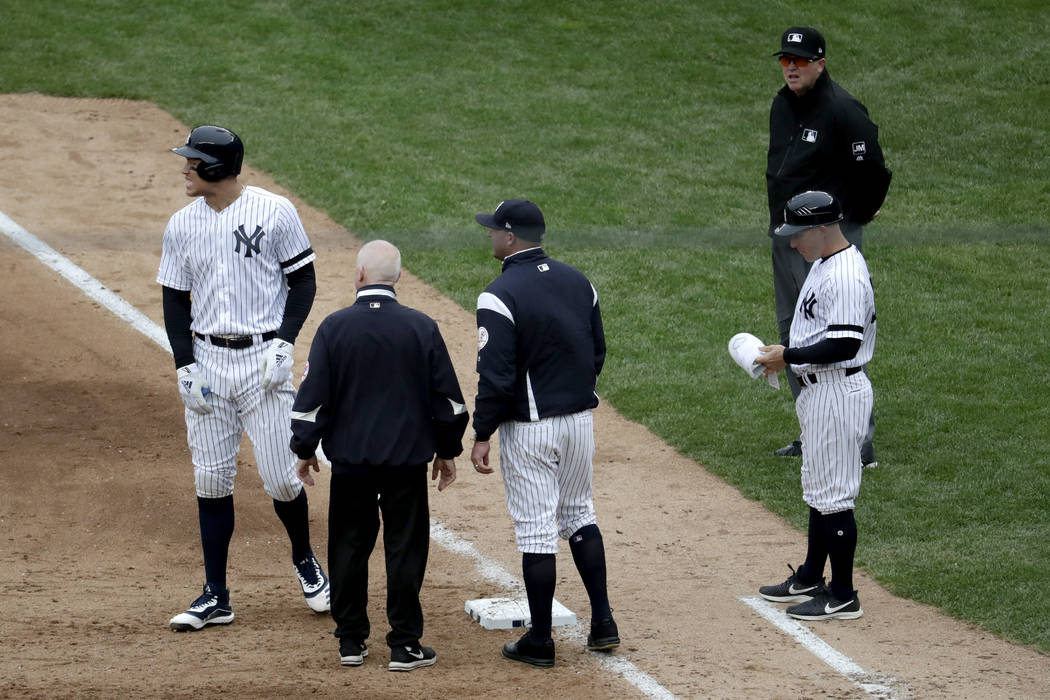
(825, 141)
(379, 388)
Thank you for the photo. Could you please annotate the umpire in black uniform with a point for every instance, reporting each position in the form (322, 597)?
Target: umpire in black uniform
(820, 138)
(380, 391)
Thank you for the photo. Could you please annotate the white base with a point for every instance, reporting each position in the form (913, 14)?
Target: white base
(504, 613)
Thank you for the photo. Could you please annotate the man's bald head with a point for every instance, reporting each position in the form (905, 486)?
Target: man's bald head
(378, 262)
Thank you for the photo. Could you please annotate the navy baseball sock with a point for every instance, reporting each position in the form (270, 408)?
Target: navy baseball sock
(588, 552)
(842, 543)
(540, 574)
(812, 570)
(216, 520)
(295, 514)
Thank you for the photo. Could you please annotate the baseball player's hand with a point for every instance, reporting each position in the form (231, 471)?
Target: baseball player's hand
(479, 457)
(447, 469)
(276, 364)
(772, 360)
(193, 389)
(302, 468)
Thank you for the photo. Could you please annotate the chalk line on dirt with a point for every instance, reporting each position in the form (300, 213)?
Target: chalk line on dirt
(871, 683)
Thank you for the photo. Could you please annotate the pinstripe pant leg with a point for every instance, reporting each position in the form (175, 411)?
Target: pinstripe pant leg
(575, 473)
(528, 461)
(834, 419)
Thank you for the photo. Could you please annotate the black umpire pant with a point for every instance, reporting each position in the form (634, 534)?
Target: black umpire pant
(353, 525)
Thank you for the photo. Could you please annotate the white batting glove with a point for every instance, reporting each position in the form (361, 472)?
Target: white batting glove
(193, 389)
(276, 364)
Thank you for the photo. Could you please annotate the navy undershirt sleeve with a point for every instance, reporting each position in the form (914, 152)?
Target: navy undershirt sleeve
(825, 352)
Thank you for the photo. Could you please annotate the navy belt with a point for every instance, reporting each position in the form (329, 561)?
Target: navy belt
(238, 342)
(812, 378)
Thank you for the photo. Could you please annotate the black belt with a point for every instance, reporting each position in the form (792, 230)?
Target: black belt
(237, 342)
(812, 378)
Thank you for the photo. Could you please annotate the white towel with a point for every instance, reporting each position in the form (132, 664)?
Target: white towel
(744, 348)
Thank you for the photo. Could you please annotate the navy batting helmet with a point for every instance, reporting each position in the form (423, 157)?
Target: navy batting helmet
(219, 150)
(809, 210)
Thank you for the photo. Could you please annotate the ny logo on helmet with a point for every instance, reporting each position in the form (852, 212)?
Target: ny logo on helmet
(252, 243)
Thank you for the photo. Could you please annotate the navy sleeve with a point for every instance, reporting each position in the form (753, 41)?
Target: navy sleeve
(177, 319)
(312, 408)
(825, 352)
(496, 372)
(449, 413)
(598, 330)
(302, 286)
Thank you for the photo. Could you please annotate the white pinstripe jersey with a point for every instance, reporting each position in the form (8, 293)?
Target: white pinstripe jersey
(836, 301)
(234, 261)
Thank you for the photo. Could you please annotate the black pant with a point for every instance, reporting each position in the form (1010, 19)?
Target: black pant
(353, 525)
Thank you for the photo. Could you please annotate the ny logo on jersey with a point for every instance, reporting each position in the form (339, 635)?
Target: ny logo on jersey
(252, 243)
(806, 307)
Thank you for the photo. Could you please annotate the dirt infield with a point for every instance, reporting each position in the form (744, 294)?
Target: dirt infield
(99, 521)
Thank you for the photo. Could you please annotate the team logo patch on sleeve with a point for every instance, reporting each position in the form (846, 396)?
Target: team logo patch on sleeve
(809, 135)
(860, 148)
(483, 337)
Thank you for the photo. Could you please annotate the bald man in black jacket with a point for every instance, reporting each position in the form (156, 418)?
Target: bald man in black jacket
(380, 391)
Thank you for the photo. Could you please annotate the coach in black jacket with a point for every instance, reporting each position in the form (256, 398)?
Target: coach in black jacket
(380, 391)
(541, 347)
(820, 138)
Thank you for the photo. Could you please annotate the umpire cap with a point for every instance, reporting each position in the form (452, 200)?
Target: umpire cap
(805, 42)
(519, 216)
(809, 210)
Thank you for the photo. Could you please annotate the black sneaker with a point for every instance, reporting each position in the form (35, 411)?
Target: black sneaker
(603, 636)
(528, 651)
(212, 607)
(827, 607)
(791, 591)
(352, 653)
(792, 450)
(407, 658)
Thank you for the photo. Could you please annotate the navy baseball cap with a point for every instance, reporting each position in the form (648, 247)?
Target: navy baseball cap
(519, 216)
(804, 42)
(809, 210)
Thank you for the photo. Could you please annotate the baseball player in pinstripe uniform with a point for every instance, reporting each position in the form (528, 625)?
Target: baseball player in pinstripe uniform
(541, 347)
(832, 338)
(238, 282)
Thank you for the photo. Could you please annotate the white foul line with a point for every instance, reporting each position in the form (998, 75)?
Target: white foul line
(85, 282)
(869, 682)
(489, 569)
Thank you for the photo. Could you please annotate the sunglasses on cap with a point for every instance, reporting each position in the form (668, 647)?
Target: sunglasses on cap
(786, 60)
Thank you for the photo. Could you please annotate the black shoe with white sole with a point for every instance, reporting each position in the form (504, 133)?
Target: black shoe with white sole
(603, 636)
(794, 590)
(351, 653)
(827, 607)
(212, 607)
(407, 658)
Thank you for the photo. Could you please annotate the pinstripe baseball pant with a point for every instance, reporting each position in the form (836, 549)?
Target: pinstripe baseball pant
(239, 404)
(833, 414)
(547, 474)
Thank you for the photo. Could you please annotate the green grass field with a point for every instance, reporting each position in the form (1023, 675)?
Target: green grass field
(641, 129)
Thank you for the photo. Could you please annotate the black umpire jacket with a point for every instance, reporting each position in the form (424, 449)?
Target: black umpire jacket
(824, 140)
(541, 345)
(379, 388)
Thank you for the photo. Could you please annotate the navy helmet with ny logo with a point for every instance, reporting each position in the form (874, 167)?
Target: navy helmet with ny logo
(252, 243)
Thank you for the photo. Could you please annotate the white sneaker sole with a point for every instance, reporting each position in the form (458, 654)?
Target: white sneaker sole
(184, 622)
(410, 665)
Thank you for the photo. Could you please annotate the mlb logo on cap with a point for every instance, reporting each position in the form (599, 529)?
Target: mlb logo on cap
(804, 42)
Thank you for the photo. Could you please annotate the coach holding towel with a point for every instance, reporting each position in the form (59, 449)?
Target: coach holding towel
(380, 391)
(820, 138)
